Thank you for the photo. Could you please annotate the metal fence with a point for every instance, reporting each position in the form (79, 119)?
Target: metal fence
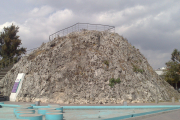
(79, 27)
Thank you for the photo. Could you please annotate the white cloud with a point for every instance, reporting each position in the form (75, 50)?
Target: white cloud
(60, 17)
(41, 12)
(6, 24)
(37, 28)
(120, 17)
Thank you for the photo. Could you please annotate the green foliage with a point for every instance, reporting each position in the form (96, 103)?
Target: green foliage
(106, 62)
(113, 81)
(172, 72)
(175, 56)
(136, 69)
(10, 43)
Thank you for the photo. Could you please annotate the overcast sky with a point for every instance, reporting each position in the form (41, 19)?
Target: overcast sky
(150, 25)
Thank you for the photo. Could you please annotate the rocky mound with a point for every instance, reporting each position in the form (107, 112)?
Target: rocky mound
(88, 67)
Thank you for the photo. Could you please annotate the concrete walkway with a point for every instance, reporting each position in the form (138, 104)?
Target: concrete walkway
(168, 115)
(175, 115)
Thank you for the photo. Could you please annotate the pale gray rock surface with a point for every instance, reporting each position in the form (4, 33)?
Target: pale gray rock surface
(76, 69)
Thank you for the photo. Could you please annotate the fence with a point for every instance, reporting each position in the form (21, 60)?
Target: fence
(81, 26)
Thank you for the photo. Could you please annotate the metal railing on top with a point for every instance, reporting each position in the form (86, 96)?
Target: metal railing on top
(81, 26)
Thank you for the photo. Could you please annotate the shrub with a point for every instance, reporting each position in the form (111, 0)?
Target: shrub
(113, 81)
(118, 80)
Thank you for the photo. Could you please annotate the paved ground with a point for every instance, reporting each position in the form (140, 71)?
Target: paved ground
(175, 115)
(170, 115)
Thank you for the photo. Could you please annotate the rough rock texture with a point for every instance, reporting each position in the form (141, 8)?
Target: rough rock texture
(76, 69)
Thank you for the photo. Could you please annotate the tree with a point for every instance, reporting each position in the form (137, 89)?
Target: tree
(175, 56)
(172, 71)
(10, 43)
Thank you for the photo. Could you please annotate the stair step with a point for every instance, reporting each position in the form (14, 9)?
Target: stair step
(9, 67)
(2, 76)
(2, 72)
(6, 69)
(2, 99)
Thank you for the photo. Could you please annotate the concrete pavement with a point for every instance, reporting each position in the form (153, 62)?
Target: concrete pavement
(167, 115)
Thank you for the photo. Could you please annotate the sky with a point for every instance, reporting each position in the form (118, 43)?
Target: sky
(150, 25)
